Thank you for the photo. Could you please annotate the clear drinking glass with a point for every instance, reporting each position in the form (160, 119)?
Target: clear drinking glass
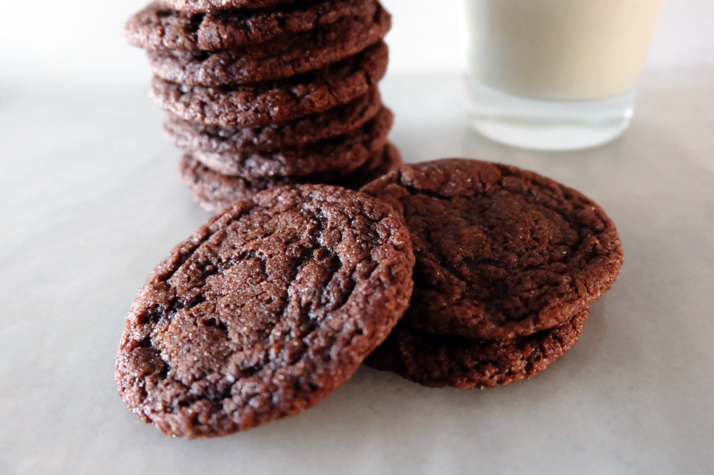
(556, 74)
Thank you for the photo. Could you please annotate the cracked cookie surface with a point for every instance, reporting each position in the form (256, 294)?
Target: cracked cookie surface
(264, 311)
(501, 252)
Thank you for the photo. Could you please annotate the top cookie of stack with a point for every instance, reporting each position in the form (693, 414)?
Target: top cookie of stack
(262, 93)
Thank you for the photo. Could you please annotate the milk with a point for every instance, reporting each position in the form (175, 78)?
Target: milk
(560, 50)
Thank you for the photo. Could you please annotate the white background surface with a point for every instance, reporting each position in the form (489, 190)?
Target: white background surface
(75, 41)
(89, 203)
(90, 206)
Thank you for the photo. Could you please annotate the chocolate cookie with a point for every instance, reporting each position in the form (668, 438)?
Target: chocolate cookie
(264, 311)
(286, 99)
(343, 153)
(214, 5)
(438, 360)
(311, 128)
(501, 252)
(282, 57)
(214, 192)
(158, 27)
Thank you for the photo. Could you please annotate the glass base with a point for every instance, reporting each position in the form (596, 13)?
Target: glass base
(547, 125)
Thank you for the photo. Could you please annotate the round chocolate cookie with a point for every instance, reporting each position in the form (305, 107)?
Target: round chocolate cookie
(282, 100)
(501, 252)
(214, 191)
(264, 311)
(343, 153)
(439, 360)
(158, 27)
(311, 128)
(214, 5)
(282, 57)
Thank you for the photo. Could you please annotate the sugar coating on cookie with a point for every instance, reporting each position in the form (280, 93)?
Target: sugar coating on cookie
(501, 252)
(264, 311)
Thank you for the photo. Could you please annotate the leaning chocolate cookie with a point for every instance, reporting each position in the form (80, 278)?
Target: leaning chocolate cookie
(264, 311)
(159, 27)
(282, 57)
(254, 105)
(501, 252)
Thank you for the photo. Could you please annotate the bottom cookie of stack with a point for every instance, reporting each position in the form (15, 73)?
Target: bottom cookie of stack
(214, 191)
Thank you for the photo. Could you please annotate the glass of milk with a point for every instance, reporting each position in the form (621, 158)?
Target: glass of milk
(556, 74)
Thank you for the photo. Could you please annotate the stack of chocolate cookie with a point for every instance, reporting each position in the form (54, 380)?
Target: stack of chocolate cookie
(508, 263)
(264, 93)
